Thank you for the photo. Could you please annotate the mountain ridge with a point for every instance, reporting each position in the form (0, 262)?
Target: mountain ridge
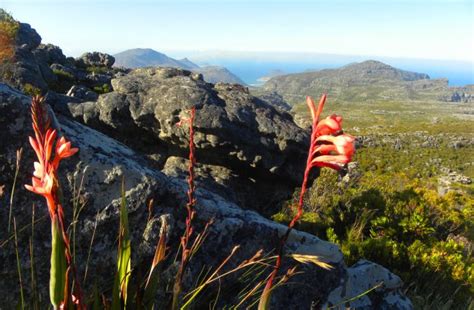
(366, 81)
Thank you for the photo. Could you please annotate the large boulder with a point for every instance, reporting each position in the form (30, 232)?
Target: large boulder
(235, 130)
(27, 37)
(50, 54)
(81, 92)
(95, 59)
(101, 164)
(29, 69)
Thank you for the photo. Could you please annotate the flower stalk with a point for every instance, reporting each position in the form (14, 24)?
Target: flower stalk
(186, 250)
(329, 147)
(45, 182)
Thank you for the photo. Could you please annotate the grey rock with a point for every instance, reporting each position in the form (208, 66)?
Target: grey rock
(50, 54)
(233, 129)
(364, 276)
(26, 70)
(276, 100)
(95, 59)
(82, 92)
(27, 37)
(98, 79)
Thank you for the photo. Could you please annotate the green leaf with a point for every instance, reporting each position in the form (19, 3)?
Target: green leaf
(57, 280)
(155, 270)
(96, 304)
(123, 258)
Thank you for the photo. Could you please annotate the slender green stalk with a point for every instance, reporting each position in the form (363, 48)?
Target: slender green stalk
(19, 152)
(18, 266)
(57, 281)
(90, 249)
(76, 210)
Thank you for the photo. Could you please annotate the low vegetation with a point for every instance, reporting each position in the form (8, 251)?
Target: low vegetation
(392, 207)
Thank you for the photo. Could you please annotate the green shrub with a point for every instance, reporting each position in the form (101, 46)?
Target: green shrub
(393, 215)
(31, 90)
(61, 74)
(97, 69)
(105, 88)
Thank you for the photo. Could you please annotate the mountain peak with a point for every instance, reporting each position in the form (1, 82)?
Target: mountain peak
(377, 69)
(146, 57)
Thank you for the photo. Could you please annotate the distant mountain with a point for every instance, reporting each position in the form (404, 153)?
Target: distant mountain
(188, 63)
(216, 74)
(146, 57)
(365, 81)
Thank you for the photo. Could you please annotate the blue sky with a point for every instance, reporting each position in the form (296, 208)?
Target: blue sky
(403, 28)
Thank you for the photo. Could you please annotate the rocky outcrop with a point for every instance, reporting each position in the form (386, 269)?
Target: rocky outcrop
(95, 59)
(102, 163)
(275, 100)
(27, 37)
(39, 68)
(448, 180)
(234, 130)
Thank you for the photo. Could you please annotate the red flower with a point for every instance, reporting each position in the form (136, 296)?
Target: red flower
(45, 183)
(44, 180)
(333, 151)
(330, 148)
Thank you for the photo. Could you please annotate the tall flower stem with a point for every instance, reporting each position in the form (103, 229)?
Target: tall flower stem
(185, 249)
(45, 182)
(19, 153)
(328, 148)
